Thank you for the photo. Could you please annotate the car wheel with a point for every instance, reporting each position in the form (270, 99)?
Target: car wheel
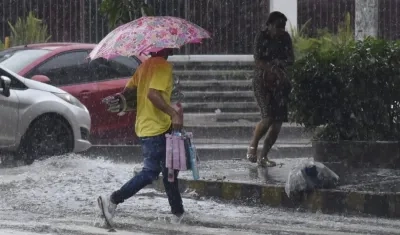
(49, 135)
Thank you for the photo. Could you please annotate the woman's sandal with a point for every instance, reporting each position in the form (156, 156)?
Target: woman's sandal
(263, 162)
(251, 156)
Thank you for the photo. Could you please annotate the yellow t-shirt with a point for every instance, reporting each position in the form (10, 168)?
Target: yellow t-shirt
(155, 73)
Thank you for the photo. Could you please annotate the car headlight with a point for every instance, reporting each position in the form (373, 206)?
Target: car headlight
(70, 99)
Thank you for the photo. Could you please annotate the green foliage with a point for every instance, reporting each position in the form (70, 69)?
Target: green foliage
(29, 30)
(1, 45)
(352, 89)
(324, 41)
(123, 11)
(345, 33)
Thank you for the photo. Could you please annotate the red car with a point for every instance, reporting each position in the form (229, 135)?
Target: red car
(66, 66)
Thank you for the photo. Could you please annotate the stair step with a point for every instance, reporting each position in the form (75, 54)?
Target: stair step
(208, 118)
(218, 93)
(236, 117)
(212, 59)
(249, 116)
(218, 96)
(216, 85)
(217, 62)
(197, 107)
(213, 65)
(213, 74)
(243, 142)
(244, 131)
(208, 72)
(206, 152)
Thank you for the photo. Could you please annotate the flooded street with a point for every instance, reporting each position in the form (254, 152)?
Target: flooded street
(58, 196)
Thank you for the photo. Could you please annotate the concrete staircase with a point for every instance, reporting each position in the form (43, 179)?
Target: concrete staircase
(220, 88)
(220, 109)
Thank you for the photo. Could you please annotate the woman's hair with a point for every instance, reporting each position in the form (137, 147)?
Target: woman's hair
(274, 16)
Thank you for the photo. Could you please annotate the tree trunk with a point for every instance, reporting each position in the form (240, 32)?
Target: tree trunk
(366, 19)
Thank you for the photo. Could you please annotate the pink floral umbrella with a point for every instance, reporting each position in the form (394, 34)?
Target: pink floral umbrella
(148, 34)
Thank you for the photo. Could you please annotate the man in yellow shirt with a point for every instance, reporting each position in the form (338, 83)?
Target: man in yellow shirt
(151, 85)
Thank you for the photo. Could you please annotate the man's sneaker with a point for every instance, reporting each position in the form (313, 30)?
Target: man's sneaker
(177, 219)
(107, 208)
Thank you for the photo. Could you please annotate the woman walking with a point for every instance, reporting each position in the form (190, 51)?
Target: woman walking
(273, 52)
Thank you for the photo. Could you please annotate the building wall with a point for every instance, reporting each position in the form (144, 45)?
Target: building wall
(287, 7)
(232, 23)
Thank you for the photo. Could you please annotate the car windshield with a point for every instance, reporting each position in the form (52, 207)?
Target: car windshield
(16, 60)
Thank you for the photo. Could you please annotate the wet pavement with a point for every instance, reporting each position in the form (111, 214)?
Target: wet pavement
(240, 170)
(57, 196)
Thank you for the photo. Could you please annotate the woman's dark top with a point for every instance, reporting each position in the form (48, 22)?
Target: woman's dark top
(266, 81)
(267, 48)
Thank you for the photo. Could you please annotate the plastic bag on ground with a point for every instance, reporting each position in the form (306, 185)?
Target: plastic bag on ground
(309, 175)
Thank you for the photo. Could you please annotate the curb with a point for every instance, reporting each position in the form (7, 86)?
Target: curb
(326, 201)
(132, 153)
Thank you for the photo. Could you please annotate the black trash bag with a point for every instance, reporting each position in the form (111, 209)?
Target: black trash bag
(309, 175)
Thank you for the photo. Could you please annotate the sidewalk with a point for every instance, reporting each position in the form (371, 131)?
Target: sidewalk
(242, 171)
(362, 191)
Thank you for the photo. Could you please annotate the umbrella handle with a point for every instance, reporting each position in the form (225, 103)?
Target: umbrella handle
(177, 81)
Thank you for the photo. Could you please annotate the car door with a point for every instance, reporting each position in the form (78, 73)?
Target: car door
(9, 116)
(70, 72)
(111, 77)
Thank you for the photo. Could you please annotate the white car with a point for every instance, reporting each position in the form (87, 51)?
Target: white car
(37, 120)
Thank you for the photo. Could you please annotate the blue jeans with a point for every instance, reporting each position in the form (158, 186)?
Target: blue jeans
(154, 153)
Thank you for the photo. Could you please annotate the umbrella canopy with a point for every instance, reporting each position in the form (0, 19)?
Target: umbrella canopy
(148, 34)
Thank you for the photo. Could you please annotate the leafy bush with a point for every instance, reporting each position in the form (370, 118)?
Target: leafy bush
(121, 12)
(324, 41)
(353, 89)
(29, 30)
